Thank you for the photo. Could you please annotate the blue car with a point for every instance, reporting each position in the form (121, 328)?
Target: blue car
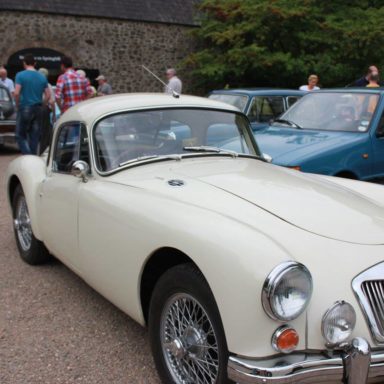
(338, 132)
(261, 105)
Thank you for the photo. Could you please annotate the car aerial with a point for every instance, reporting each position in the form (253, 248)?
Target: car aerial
(7, 117)
(338, 132)
(242, 270)
(261, 105)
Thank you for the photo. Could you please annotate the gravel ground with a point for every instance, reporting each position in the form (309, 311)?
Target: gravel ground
(56, 329)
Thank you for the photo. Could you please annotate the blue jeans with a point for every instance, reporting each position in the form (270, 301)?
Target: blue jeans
(28, 128)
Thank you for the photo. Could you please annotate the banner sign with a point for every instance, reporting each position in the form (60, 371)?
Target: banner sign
(44, 57)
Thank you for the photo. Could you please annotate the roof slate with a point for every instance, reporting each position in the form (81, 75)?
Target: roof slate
(161, 11)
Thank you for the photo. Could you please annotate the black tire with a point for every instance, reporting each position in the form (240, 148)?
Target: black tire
(31, 250)
(186, 280)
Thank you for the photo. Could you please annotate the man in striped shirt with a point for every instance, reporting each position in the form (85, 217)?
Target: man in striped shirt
(70, 87)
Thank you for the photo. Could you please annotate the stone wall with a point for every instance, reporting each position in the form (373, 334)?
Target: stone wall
(116, 47)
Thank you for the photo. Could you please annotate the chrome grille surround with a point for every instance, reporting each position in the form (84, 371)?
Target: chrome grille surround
(368, 287)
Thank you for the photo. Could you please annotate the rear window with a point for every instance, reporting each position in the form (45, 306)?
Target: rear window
(238, 101)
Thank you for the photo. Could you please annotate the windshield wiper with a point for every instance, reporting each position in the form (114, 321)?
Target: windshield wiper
(149, 157)
(289, 122)
(205, 148)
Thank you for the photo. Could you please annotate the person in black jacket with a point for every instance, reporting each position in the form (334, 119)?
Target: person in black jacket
(364, 81)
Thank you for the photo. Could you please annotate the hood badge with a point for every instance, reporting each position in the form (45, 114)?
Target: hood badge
(176, 183)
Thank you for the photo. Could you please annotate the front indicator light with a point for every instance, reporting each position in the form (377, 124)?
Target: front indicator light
(285, 339)
(295, 167)
(338, 323)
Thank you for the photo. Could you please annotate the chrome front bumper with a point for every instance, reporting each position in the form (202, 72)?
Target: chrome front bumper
(355, 364)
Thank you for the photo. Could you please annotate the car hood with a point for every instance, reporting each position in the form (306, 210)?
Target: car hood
(306, 201)
(285, 145)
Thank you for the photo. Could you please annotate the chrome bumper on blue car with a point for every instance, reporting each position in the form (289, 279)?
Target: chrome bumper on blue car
(353, 365)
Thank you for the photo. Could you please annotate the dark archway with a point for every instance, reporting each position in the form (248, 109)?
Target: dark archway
(45, 58)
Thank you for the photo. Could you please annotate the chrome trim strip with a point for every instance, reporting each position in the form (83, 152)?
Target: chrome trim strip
(374, 273)
(305, 368)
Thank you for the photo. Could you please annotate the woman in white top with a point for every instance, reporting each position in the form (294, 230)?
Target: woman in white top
(312, 82)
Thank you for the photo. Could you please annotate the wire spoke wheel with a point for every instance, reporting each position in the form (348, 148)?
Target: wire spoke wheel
(189, 342)
(22, 224)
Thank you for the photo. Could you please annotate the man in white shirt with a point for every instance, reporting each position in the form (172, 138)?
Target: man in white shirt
(4, 80)
(174, 83)
(312, 84)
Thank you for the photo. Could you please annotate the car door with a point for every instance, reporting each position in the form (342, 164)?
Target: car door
(60, 193)
(377, 138)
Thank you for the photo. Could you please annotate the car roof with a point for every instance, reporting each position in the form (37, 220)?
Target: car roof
(377, 90)
(260, 92)
(93, 109)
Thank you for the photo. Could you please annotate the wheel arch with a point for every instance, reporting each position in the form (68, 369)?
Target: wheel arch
(28, 171)
(157, 264)
(347, 175)
(13, 182)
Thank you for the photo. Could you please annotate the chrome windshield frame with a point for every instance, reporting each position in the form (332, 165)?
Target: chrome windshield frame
(256, 155)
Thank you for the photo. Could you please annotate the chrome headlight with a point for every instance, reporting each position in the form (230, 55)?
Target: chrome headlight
(338, 323)
(287, 291)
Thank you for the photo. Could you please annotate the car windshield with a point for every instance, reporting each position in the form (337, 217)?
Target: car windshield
(332, 111)
(131, 137)
(238, 101)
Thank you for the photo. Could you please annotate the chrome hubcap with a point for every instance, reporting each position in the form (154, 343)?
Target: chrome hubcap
(189, 342)
(22, 224)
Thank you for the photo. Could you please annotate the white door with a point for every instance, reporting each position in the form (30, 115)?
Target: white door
(60, 194)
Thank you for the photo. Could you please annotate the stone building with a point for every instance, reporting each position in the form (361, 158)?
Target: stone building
(109, 37)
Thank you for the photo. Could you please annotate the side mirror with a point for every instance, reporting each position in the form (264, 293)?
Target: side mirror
(80, 169)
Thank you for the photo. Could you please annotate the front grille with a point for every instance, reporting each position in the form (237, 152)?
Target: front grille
(374, 292)
(369, 289)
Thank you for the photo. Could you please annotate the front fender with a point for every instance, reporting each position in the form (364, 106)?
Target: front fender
(235, 256)
(351, 157)
(30, 171)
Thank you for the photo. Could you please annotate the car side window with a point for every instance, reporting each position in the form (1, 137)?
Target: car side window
(71, 145)
(380, 127)
(265, 108)
(292, 100)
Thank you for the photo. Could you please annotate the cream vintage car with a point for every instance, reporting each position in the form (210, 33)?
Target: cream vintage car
(242, 270)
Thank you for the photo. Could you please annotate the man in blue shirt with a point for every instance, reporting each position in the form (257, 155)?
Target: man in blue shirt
(30, 88)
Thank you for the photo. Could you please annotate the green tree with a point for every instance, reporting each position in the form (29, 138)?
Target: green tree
(279, 43)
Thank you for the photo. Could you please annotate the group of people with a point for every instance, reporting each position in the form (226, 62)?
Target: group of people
(36, 100)
(371, 80)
